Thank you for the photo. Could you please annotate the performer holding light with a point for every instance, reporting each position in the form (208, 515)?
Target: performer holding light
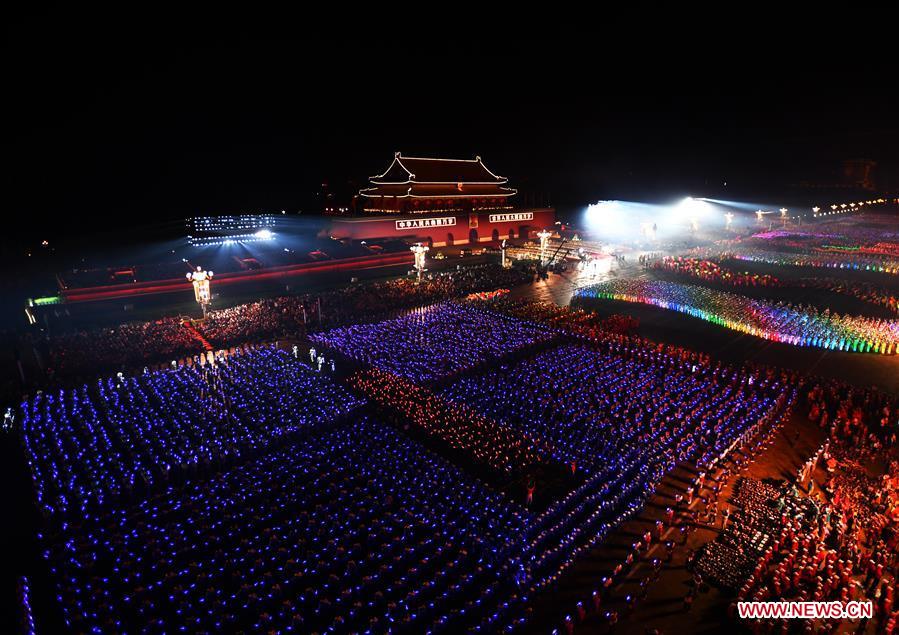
(419, 250)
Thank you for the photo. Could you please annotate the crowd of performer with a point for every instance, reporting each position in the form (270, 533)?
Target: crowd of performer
(867, 242)
(569, 319)
(781, 539)
(264, 320)
(692, 496)
(838, 543)
(614, 416)
(227, 551)
(795, 324)
(871, 233)
(434, 341)
(459, 427)
(357, 529)
(593, 408)
(90, 446)
(864, 417)
(851, 261)
(712, 271)
(480, 447)
(832, 532)
(83, 353)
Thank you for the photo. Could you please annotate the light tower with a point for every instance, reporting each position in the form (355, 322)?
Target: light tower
(543, 235)
(419, 250)
(759, 215)
(783, 215)
(200, 279)
(728, 219)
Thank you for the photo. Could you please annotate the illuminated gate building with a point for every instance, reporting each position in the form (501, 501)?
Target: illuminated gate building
(440, 202)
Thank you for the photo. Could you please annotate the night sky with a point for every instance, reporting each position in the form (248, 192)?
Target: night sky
(135, 121)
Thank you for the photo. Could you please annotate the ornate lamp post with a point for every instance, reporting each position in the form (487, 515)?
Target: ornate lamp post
(200, 280)
(419, 250)
(543, 235)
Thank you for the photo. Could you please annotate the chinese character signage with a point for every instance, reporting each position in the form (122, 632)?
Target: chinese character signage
(511, 218)
(424, 223)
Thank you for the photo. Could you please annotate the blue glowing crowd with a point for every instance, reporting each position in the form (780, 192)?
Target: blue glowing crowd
(623, 416)
(436, 341)
(252, 492)
(617, 415)
(592, 407)
(358, 529)
(92, 445)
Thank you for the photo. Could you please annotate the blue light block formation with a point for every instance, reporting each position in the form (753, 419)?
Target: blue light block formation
(90, 446)
(356, 529)
(435, 341)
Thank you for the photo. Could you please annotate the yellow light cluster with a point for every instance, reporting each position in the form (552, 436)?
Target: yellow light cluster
(842, 208)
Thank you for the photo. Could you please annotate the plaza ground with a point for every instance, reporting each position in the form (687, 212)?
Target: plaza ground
(663, 607)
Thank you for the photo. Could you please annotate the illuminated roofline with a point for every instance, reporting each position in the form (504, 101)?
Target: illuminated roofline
(398, 158)
(410, 181)
(509, 192)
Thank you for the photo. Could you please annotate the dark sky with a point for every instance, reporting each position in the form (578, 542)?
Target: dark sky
(136, 119)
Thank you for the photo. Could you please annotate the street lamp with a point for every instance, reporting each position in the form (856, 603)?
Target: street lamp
(200, 279)
(502, 248)
(544, 242)
(419, 250)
